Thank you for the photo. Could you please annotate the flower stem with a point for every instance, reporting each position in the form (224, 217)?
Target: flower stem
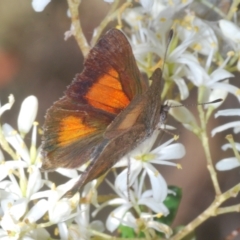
(230, 209)
(213, 174)
(231, 141)
(78, 33)
(110, 16)
(5, 146)
(213, 7)
(212, 210)
(205, 143)
(233, 9)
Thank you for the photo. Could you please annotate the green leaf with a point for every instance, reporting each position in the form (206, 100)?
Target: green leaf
(126, 232)
(172, 202)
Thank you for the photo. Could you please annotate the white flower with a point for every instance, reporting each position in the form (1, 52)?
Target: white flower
(16, 141)
(8, 105)
(146, 221)
(70, 173)
(200, 77)
(149, 39)
(235, 125)
(182, 114)
(231, 162)
(137, 197)
(232, 33)
(81, 232)
(215, 94)
(147, 4)
(25, 122)
(167, 8)
(142, 158)
(18, 217)
(229, 146)
(228, 164)
(39, 5)
(181, 62)
(82, 226)
(8, 166)
(141, 161)
(12, 224)
(59, 208)
(203, 37)
(27, 114)
(21, 181)
(230, 30)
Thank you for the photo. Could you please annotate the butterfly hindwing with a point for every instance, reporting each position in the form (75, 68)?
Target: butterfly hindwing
(70, 135)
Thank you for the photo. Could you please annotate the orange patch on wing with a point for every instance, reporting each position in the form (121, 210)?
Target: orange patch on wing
(111, 79)
(71, 129)
(107, 93)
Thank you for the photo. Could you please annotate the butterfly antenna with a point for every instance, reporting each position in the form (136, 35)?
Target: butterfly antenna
(197, 104)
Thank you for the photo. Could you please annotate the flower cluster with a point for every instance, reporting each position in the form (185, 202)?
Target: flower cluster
(25, 200)
(231, 33)
(204, 53)
(231, 162)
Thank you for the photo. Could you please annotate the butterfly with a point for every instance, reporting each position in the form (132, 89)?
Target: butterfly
(106, 111)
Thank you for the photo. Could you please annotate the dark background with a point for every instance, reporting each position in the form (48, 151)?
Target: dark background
(36, 60)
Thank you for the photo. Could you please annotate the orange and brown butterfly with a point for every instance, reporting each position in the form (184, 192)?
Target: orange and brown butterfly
(105, 113)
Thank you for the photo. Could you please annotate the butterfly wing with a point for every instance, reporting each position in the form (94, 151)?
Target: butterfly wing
(130, 128)
(110, 78)
(74, 125)
(71, 133)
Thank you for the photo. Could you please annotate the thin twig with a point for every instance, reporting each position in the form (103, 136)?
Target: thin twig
(205, 144)
(5, 146)
(213, 7)
(230, 209)
(109, 17)
(233, 9)
(78, 33)
(121, 10)
(233, 144)
(209, 212)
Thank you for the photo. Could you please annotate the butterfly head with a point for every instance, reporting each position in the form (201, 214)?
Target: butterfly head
(163, 113)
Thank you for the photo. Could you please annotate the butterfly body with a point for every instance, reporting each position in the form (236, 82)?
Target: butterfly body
(106, 112)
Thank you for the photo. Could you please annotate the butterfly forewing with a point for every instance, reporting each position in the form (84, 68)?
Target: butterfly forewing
(75, 124)
(110, 78)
